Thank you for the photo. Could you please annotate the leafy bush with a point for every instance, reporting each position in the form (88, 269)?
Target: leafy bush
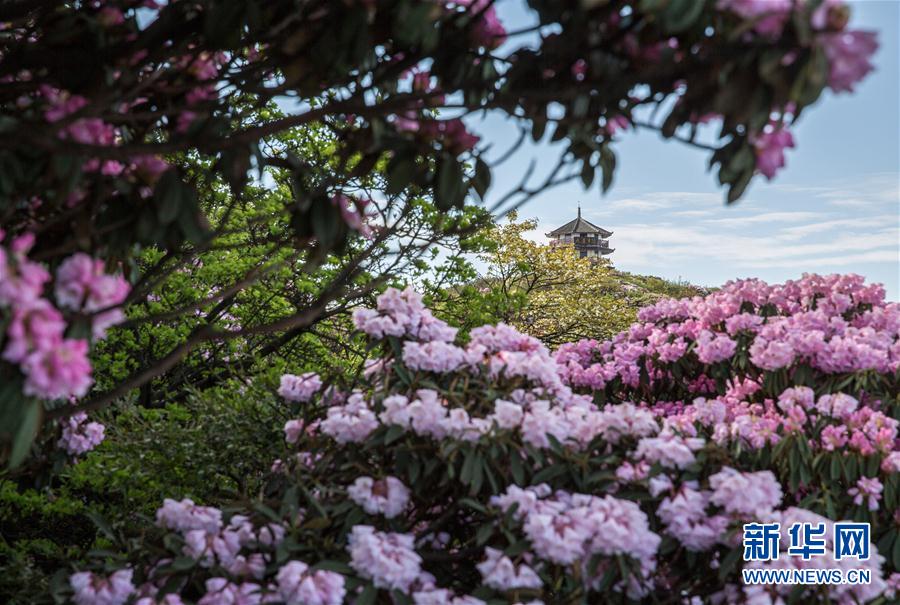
(212, 447)
(215, 447)
(608, 472)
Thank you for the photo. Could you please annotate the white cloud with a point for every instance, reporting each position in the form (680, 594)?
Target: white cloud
(651, 245)
(825, 262)
(656, 201)
(764, 217)
(801, 231)
(536, 235)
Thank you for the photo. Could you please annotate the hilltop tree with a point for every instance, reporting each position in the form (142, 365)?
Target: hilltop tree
(545, 291)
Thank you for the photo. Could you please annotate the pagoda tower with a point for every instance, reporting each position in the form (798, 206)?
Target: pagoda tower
(589, 240)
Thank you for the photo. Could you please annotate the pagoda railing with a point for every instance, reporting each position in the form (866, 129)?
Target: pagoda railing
(590, 242)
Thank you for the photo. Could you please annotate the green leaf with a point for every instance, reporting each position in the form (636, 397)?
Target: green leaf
(468, 467)
(400, 171)
(515, 467)
(183, 563)
(484, 533)
(478, 474)
(549, 473)
(482, 179)
(168, 196)
(608, 163)
(680, 15)
(737, 188)
(367, 596)
(336, 566)
(399, 598)
(28, 426)
(729, 563)
(326, 222)
(393, 433)
(474, 505)
(102, 524)
(587, 173)
(895, 556)
(449, 191)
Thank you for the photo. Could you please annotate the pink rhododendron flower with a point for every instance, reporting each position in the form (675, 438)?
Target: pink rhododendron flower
(80, 436)
(833, 437)
(669, 450)
(838, 405)
(771, 355)
(769, 146)
(388, 496)
(849, 54)
(59, 372)
(83, 285)
(402, 314)
(891, 462)
(687, 520)
(867, 490)
(507, 414)
(487, 30)
(90, 589)
(184, 516)
(297, 585)
(769, 16)
(299, 388)
(499, 572)
(752, 495)
(712, 348)
(388, 559)
(36, 326)
(21, 280)
(353, 212)
(168, 599)
(220, 591)
(435, 356)
(351, 422)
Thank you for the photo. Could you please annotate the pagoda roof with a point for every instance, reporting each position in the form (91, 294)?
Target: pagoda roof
(579, 225)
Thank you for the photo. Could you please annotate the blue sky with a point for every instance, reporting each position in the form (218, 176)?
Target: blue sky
(834, 208)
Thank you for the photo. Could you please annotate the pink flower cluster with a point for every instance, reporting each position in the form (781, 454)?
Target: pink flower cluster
(349, 422)
(388, 496)
(62, 107)
(848, 51)
(746, 495)
(83, 285)
(565, 528)
(402, 314)
(80, 436)
(686, 518)
(243, 551)
(299, 388)
(867, 491)
(452, 133)
(499, 572)
(834, 323)
(90, 589)
(297, 585)
(55, 367)
(769, 146)
(388, 559)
